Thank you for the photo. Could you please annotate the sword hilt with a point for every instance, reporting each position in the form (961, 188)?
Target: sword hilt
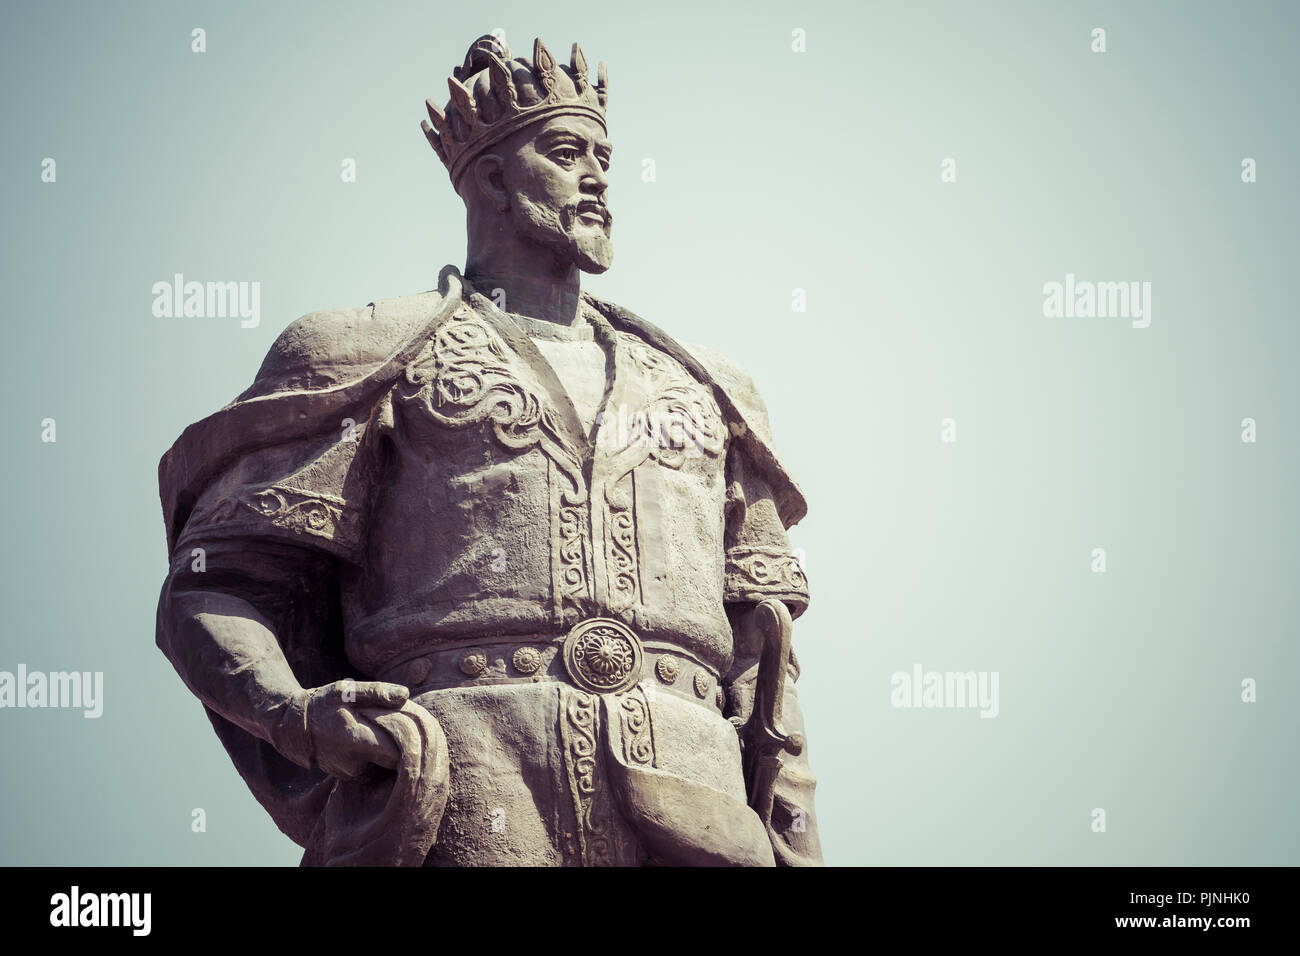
(764, 738)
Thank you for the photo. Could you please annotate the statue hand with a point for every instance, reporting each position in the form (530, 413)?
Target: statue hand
(344, 741)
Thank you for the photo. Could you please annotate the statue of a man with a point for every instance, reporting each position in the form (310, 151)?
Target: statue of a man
(498, 573)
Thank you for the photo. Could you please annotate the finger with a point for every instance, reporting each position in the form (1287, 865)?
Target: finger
(365, 731)
(385, 754)
(359, 747)
(380, 694)
(375, 745)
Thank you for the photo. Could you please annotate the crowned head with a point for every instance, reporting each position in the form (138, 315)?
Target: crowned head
(525, 144)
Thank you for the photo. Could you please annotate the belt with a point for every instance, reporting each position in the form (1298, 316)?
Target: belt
(599, 655)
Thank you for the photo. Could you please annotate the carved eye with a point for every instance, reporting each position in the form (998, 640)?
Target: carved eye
(566, 154)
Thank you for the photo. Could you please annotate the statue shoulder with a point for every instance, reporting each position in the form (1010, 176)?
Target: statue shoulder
(334, 346)
(758, 447)
(737, 383)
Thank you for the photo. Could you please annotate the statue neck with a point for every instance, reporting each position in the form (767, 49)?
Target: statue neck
(535, 283)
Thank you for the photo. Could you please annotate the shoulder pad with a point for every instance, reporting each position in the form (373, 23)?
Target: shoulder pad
(335, 345)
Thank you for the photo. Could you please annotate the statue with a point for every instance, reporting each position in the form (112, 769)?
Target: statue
(498, 574)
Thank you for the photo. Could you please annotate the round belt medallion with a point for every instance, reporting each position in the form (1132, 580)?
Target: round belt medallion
(603, 655)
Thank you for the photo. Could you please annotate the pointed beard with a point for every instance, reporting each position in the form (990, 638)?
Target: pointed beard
(587, 246)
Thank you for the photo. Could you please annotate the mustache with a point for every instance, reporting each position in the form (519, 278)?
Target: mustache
(586, 204)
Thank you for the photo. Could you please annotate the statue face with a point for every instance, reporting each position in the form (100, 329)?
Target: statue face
(555, 173)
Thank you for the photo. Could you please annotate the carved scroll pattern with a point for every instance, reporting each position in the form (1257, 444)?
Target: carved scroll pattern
(681, 418)
(290, 509)
(301, 511)
(637, 730)
(591, 798)
(764, 571)
(570, 560)
(463, 377)
(624, 583)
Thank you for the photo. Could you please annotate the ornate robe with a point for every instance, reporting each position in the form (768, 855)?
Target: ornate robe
(422, 504)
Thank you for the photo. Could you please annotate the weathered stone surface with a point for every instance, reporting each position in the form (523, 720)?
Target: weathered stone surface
(498, 573)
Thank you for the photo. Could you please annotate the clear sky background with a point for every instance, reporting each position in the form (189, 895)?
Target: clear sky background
(775, 170)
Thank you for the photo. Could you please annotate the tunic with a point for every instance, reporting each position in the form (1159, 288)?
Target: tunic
(547, 541)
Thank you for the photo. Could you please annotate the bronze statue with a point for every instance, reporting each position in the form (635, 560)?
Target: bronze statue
(498, 573)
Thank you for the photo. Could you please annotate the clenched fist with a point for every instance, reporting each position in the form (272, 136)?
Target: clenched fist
(344, 740)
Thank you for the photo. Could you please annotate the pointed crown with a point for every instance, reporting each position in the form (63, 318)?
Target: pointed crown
(492, 96)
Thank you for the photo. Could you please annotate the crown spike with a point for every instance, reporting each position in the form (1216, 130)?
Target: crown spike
(434, 140)
(602, 84)
(544, 67)
(578, 64)
(502, 83)
(463, 100)
(436, 116)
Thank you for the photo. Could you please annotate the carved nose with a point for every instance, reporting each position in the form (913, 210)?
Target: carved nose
(596, 179)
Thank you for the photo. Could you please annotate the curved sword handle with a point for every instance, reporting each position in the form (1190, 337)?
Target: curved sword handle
(764, 738)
